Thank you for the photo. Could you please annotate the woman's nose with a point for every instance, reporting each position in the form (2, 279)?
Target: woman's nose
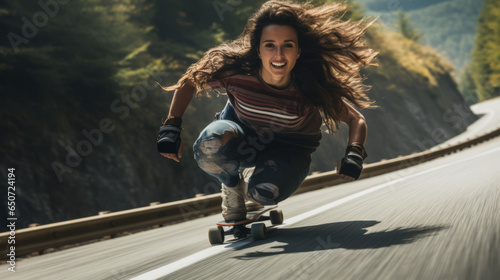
(279, 52)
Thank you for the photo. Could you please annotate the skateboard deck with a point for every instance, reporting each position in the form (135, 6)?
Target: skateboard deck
(239, 229)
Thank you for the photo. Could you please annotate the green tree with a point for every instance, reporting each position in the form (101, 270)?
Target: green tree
(57, 77)
(378, 5)
(65, 51)
(486, 53)
(405, 27)
(467, 86)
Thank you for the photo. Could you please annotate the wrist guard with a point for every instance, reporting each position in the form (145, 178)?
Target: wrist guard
(352, 164)
(169, 139)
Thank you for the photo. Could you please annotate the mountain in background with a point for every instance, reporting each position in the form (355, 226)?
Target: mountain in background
(82, 109)
(449, 26)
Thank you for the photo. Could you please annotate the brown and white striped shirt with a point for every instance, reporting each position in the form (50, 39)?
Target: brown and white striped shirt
(269, 110)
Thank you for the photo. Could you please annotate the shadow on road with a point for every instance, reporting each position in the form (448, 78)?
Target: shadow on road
(351, 235)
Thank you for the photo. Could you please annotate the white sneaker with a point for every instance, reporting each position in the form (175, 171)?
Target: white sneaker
(233, 202)
(250, 204)
(253, 206)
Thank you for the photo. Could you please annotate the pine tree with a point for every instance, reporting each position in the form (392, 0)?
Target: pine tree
(405, 27)
(486, 54)
(466, 86)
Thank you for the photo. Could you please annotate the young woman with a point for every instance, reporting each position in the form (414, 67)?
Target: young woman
(292, 69)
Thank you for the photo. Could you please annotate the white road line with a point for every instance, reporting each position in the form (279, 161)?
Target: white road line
(204, 254)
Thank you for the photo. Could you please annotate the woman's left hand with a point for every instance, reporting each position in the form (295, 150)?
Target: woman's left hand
(343, 176)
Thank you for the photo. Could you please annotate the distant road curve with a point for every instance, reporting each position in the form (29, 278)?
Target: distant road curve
(489, 112)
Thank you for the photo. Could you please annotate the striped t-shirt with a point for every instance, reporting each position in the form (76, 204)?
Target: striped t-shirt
(270, 111)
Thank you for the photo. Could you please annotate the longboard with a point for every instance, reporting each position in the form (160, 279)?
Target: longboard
(239, 229)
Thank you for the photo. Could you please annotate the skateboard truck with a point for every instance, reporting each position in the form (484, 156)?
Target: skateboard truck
(239, 230)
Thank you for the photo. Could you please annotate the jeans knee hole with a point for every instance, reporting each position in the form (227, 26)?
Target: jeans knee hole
(210, 167)
(210, 146)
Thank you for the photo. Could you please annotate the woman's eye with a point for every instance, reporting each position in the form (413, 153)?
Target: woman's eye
(268, 45)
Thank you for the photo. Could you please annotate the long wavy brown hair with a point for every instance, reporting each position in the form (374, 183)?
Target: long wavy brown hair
(332, 53)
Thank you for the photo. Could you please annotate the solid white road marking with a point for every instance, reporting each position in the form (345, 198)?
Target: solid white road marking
(204, 254)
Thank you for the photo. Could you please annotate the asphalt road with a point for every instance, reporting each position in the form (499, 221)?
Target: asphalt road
(437, 220)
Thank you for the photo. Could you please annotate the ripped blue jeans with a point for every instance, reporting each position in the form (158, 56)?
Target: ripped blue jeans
(226, 146)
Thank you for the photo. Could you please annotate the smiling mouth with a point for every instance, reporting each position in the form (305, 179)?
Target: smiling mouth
(278, 64)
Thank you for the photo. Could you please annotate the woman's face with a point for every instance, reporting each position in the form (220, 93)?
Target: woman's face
(278, 51)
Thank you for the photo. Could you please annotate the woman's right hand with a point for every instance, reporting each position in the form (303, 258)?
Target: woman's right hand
(169, 142)
(176, 156)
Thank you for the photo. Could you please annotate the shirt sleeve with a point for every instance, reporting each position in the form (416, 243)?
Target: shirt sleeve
(217, 87)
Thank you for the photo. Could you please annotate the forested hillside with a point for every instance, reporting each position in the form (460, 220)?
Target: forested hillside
(485, 66)
(81, 105)
(447, 25)
(382, 6)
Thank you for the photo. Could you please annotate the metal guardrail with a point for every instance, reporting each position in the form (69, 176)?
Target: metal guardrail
(54, 235)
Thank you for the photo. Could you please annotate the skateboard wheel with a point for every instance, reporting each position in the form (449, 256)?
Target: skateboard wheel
(216, 235)
(276, 217)
(258, 231)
